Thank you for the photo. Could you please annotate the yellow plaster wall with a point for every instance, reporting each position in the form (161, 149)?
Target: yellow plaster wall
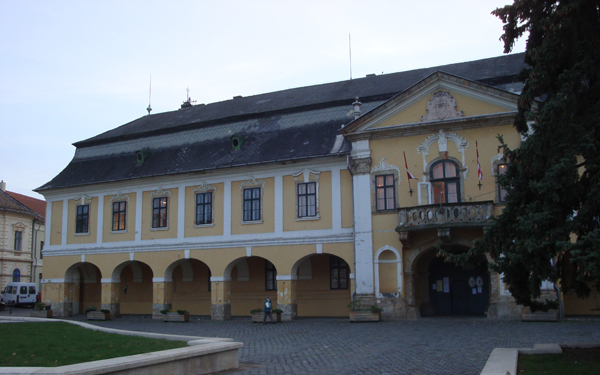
(347, 204)
(56, 267)
(218, 259)
(91, 295)
(290, 200)
(107, 264)
(129, 233)
(249, 295)
(191, 230)
(73, 238)
(192, 296)
(172, 203)
(342, 250)
(268, 209)
(470, 107)
(138, 299)
(315, 298)
(56, 228)
(392, 149)
(284, 257)
(578, 306)
(158, 261)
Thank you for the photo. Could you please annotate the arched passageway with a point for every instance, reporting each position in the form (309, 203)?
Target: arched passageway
(135, 287)
(86, 289)
(190, 286)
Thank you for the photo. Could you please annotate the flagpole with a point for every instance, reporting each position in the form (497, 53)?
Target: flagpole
(408, 174)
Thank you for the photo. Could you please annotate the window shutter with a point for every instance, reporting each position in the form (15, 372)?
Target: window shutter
(424, 190)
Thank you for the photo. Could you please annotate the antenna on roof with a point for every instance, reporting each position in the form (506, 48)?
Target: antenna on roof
(149, 109)
(350, 50)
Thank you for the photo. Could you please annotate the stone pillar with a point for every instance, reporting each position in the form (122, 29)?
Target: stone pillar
(412, 311)
(161, 297)
(360, 167)
(220, 308)
(60, 297)
(286, 297)
(110, 297)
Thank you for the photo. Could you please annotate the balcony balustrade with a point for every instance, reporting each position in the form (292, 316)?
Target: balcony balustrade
(443, 218)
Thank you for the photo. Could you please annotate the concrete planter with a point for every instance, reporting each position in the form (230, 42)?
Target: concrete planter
(364, 316)
(98, 315)
(176, 317)
(539, 316)
(41, 314)
(259, 317)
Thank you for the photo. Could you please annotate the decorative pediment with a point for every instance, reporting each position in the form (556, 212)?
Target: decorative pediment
(160, 192)
(494, 160)
(441, 106)
(120, 197)
(442, 139)
(83, 199)
(253, 182)
(204, 187)
(383, 166)
(305, 173)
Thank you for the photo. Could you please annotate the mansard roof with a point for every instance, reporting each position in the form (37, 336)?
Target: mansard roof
(293, 124)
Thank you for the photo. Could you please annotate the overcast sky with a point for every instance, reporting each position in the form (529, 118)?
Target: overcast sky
(70, 70)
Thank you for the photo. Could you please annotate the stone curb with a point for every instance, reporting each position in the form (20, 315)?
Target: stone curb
(192, 340)
(204, 355)
(503, 361)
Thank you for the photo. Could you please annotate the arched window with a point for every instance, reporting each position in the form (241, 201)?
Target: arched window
(16, 275)
(445, 182)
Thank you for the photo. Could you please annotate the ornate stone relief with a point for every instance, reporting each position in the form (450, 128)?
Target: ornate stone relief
(305, 173)
(253, 182)
(120, 197)
(494, 160)
(442, 139)
(83, 199)
(360, 166)
(383, 166)
(440, 107)
(160, 193)
(204, 187)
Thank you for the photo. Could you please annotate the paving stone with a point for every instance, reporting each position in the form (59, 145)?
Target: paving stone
(430, 346)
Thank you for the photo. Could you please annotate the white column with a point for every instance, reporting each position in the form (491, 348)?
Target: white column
(227, 208)
(363, 236)
(181, 212)
(138, 215)
(48, 221)
(278, 204)
(336, 199)
(65, 221)
(363, 229)
(100, 218)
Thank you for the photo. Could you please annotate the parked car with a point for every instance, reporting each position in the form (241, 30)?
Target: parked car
(17, 293)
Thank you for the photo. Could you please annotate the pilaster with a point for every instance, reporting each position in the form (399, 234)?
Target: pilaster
(110, 298)
(220, 308)
(161, 299)
(286, 297)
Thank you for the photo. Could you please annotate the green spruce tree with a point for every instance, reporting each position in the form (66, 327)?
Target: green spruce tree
(550, 226)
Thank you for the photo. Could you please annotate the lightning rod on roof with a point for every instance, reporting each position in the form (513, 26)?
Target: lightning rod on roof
(149, 109)
(350, 50)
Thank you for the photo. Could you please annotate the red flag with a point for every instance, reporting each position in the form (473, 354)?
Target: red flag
(410, 175)
(479, 173)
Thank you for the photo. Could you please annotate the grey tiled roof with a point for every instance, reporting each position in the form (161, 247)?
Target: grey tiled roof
(291, 124)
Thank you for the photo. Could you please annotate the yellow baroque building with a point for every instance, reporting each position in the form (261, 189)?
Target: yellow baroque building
(302, 195)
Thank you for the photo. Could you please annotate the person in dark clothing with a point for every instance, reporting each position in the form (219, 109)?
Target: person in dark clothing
(267, 310)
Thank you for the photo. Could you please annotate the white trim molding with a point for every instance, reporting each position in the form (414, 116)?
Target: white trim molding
(397, 261)
(442, 140)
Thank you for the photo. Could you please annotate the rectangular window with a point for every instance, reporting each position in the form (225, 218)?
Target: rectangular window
(338, 273)
(501, 190)
(204, 208)
(384, 192)
(209, 282)
(270, 276)
(252, 204)
(119, 215)
(18, 241)
(32, 290)
(41, 249)
(159, 212)
(83, 219)
(307, 199)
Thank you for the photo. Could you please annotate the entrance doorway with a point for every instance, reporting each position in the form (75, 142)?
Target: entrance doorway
(454, 290)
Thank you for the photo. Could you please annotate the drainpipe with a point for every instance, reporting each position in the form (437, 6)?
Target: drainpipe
(34, 233)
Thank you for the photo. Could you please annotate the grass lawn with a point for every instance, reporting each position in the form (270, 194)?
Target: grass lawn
(58, 344)
(571, 362)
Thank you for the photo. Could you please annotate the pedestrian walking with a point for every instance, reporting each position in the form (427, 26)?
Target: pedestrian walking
(267, 310)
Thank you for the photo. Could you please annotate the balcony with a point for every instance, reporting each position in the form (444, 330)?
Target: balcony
(443, 218)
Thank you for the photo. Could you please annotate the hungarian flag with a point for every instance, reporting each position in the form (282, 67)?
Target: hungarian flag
(479, 173)
(410, 175)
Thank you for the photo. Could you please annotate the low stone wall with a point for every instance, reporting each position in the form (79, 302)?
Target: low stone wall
(203, 356)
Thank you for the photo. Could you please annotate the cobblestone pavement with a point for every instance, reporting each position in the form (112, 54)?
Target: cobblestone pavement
(334, 346)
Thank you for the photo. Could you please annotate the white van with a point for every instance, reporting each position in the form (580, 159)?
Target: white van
(19, 293)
